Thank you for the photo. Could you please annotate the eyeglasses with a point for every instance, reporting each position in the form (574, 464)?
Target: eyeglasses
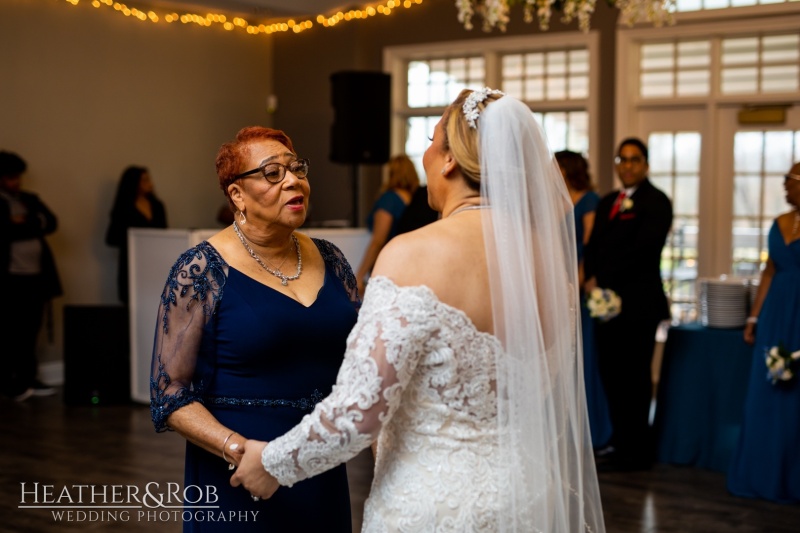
(635, 160)
(792, 177)
(275, 172)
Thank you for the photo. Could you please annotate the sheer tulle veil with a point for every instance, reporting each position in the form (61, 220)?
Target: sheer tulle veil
(530, 245)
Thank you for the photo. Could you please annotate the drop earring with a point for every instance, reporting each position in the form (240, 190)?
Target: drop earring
(242, 218)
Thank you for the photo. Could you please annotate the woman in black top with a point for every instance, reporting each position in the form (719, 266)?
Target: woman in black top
(135, 206)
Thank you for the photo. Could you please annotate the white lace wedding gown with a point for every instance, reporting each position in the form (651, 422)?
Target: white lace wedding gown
(419, 373)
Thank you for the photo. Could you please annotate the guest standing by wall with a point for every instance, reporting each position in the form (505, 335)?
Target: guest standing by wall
(28, 277)
(575, 170)
(135, 206)
(418, 213)
(387, 210)
(765, 462)
(624, 254)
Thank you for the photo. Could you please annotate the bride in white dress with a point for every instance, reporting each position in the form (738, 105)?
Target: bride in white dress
(465, 363)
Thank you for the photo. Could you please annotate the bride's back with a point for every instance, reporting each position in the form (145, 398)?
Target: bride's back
(448, 257)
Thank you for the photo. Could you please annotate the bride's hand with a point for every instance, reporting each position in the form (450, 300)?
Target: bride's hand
(251, 473)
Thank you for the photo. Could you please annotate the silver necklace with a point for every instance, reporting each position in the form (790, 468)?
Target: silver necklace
(277, 273)
(468, 208)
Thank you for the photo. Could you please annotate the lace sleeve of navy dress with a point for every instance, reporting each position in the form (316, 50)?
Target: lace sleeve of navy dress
(334, 258)
(190, 297)
(394, 329)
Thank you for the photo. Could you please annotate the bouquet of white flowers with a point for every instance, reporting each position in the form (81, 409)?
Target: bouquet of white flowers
(603, 304)
(781, 364)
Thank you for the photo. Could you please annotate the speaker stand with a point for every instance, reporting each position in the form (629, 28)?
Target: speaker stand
(355, 182)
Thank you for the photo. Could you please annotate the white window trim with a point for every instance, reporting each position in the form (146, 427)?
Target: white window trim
(396, 58)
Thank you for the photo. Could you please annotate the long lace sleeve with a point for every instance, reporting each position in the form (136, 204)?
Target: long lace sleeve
(193, 289)
(333, 256)
(392, 333)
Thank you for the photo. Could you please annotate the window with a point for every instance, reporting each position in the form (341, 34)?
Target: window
(675, 69)
(438, 82)
(550, 73)
(722, 171)
(555, 75)
(761, 158)
(566, 130)
(764, 64)
(675, 169)
(420, 130)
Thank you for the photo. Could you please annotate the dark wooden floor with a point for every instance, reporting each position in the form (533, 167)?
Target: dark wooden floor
(46, 442)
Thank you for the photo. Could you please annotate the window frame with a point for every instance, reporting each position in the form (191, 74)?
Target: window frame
(715, 252)
(396, 59)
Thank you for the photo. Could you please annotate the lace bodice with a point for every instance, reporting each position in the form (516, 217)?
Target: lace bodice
(185, 352)
(418, 373)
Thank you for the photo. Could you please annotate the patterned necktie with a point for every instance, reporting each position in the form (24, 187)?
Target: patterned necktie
(616, 206)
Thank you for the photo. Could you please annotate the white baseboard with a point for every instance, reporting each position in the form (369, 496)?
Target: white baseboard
(52, 372)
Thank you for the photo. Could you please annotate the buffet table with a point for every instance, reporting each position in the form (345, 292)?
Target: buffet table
(701, 395)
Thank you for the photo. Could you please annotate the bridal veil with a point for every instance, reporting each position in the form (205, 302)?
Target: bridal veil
(530, 245)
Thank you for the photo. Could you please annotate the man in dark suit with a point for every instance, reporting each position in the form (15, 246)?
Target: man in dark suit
(624, 254)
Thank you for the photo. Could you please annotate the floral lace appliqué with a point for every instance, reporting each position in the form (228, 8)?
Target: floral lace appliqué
(418, 376)
(195, 283)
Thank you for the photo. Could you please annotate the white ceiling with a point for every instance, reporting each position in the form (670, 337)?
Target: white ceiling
(262, 9)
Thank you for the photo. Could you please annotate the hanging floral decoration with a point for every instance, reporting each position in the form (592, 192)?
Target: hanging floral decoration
(495, 13)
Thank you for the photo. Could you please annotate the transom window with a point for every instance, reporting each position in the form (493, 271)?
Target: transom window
(553, 75)
(761, 64)
(675, 69)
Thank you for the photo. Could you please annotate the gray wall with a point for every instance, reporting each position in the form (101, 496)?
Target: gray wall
(85, 92)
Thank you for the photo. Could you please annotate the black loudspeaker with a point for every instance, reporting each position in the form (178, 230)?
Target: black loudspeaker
(96, 355)
(360, 132)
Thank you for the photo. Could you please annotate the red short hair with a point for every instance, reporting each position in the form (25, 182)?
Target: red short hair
(231, 155)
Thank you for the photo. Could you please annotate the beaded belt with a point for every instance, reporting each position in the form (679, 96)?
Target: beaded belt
(304, 404)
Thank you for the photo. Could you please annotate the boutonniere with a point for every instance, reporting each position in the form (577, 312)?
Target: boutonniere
(627, 204)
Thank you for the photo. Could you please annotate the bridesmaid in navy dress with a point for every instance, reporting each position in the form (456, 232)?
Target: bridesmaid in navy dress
(250, 335)
(766, 463)
(575, 170)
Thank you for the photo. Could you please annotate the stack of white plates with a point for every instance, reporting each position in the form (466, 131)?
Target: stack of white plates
(723, 302)
(752, 289)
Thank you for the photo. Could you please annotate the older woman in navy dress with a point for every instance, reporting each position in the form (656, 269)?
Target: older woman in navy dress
(765, 463)
(251, 332)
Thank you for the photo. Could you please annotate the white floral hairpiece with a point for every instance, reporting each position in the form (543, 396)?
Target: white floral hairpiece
(470, 107)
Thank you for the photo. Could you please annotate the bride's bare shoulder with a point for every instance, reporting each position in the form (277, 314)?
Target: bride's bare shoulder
(413, 258)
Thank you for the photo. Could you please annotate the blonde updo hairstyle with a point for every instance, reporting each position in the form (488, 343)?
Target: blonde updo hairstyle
(462, 141)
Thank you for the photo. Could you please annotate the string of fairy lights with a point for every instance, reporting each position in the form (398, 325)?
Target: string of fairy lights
(238, 23)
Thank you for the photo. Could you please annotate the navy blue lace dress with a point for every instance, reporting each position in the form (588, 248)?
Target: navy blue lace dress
(258, 361)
